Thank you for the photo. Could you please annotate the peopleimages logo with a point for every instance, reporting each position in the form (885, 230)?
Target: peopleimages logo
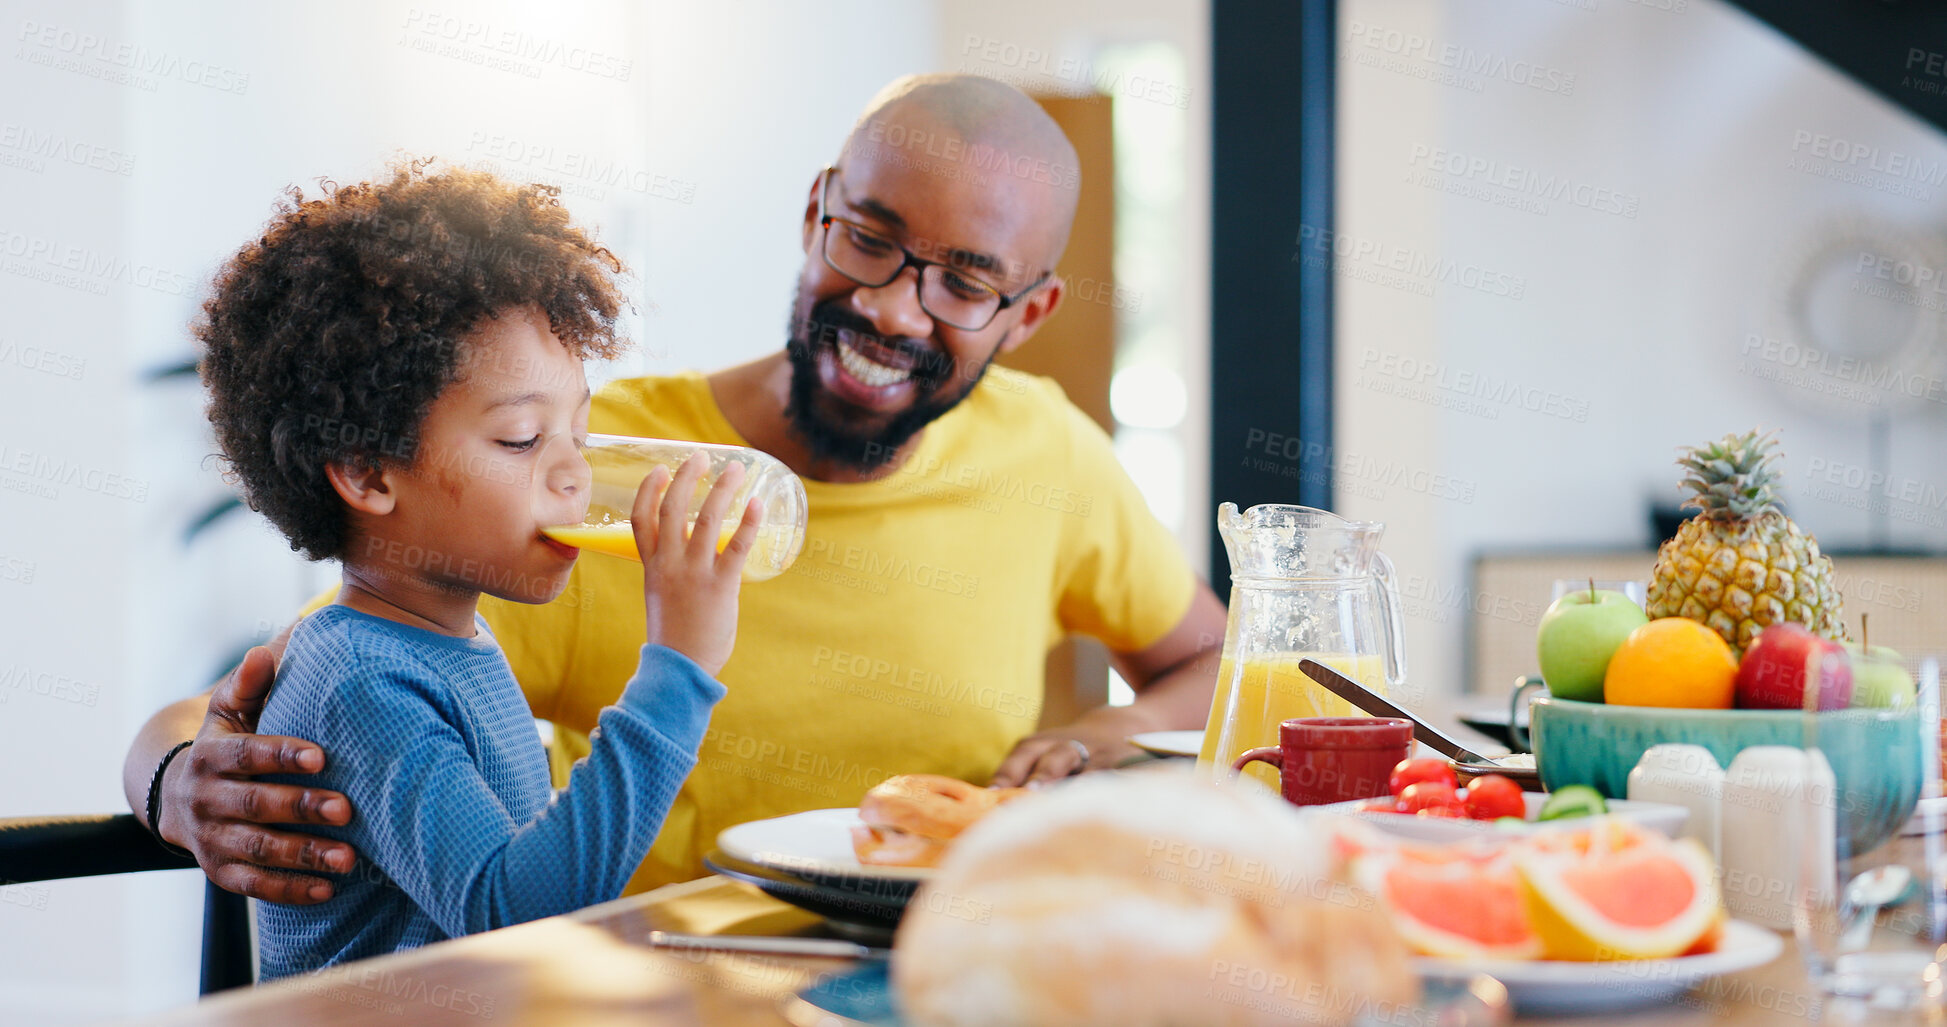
(96, 56)
(62, 147)
(85, 267)
(13, 568)
(1464, 60)
(44, 360)
(20, 468)
(1894, 163)
(1898, 497)
(978, 156)
(1349, 468)
(1525, 182)
(1900, 487)
(1872, 379)
(608, 172)
(1414, 265)
(1491, 388)
(514, 45)
(49, 685)
(1900, 272)
(1040, 64)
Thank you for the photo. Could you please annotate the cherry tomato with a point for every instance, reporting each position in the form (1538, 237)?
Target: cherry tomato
(1491, 796)
(1412, 772)
(1431, 799)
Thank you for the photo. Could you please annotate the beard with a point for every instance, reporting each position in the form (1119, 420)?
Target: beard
(826, 433)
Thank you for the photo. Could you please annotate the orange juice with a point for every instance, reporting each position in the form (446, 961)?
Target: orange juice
(1270, 690)
(617, 538)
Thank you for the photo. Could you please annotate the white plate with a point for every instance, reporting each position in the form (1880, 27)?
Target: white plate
(816, 842)
(1169, 743)
(1546, 986)
(1660, 817)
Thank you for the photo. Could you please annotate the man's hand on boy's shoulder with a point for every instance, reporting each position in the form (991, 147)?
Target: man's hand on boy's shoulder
(211, 806)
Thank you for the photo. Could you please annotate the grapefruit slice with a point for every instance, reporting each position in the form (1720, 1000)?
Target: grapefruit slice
(1617, 891)
(1458, 903)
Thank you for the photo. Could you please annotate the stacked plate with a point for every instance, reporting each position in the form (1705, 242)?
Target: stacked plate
(806, 859)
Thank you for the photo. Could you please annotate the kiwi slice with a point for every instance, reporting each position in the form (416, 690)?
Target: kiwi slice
(1572, 801)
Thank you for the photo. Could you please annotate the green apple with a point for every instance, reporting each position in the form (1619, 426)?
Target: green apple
(1578, 634)
(1879, 677)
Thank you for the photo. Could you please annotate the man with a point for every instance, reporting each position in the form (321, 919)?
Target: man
(963, 517)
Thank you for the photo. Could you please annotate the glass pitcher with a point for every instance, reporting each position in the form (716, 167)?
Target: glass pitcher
(1305, 584)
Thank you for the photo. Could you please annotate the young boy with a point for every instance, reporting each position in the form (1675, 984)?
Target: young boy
(395, 378)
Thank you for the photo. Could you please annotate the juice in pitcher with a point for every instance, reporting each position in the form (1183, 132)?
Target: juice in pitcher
(1270, 690)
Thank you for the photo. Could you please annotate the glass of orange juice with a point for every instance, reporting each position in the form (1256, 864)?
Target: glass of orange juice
(619, 463)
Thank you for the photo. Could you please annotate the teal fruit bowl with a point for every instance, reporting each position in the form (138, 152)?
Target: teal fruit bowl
(1876, 755)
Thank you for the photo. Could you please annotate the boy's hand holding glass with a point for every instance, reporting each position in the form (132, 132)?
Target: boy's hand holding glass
(689, 588)
(618, 464)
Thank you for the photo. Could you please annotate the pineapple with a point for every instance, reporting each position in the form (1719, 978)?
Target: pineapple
(1740, 565)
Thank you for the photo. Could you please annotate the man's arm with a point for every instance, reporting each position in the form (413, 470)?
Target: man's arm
(174, 723)
(1173, 679)
(209, 804)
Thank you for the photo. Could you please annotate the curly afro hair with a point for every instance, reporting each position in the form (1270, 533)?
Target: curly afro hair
(327, 339)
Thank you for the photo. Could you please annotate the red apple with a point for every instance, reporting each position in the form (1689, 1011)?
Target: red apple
(1773, 674)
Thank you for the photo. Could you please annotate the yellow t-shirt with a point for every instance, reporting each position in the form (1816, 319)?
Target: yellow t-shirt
(911, 633)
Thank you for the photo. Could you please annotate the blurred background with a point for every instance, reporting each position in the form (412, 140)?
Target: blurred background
(1557, 239)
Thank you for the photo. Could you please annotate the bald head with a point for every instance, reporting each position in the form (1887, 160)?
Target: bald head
(975, 129)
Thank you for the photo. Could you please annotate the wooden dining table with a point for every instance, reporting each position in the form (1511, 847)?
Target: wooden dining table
(596, 968)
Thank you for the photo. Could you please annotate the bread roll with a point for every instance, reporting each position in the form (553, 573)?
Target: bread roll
(911, 819)
(1145, 899)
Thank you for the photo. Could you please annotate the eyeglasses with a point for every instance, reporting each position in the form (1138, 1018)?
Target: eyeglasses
(946, 292)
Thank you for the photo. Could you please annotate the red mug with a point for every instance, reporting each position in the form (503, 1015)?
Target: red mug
(1334, 759)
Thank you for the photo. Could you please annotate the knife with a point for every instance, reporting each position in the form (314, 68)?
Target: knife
(829, 947)
(1377, 705)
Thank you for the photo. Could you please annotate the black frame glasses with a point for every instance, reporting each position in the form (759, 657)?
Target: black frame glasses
(930, 279)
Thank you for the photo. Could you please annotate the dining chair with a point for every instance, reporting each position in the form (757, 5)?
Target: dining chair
(58, 848)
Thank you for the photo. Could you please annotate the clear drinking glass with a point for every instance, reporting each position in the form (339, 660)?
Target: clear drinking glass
(619, 464)
(1871, 924)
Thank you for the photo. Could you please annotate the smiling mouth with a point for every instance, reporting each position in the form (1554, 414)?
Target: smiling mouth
(869, 370)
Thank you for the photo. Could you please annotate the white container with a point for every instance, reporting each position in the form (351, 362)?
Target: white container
(1687, 776)
(1778, 812)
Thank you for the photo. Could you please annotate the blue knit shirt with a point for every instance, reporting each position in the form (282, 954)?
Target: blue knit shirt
(433, 742)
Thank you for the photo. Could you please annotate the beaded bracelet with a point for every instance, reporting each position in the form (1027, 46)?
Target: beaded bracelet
(155, 798)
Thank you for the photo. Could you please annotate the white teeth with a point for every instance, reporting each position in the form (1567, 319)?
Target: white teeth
(867, 370)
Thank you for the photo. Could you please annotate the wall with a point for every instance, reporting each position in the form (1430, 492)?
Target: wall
(685, 133)
(79, 502)
(1576, 235)
(1070, 49)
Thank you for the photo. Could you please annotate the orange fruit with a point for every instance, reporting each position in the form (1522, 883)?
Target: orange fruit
(1618, 891)
(1672, 661)
(1454, 902)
